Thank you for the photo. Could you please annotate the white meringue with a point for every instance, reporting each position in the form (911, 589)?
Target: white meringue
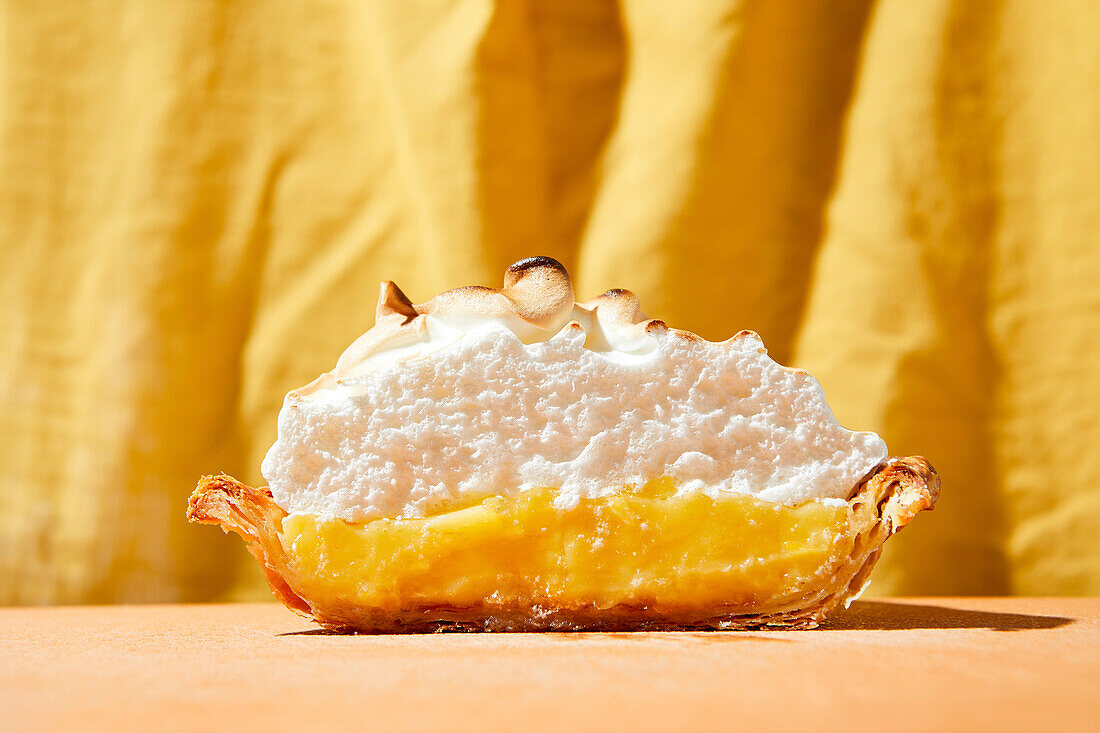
(480, 392)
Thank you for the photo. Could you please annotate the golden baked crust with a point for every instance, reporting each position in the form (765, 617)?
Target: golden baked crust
(882, 503)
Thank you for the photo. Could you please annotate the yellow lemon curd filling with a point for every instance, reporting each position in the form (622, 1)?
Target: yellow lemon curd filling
(647, 546)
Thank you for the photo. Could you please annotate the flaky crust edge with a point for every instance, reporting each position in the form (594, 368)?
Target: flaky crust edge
(883, 502)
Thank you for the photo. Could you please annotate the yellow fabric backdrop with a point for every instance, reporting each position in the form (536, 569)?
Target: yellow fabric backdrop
(198, 199)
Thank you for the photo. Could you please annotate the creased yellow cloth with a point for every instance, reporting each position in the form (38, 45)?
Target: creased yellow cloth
(198, 200)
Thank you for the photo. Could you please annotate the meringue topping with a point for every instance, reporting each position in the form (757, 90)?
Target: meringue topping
(481, 391)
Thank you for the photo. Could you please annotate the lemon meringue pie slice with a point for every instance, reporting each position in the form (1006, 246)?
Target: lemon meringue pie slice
(514, 460)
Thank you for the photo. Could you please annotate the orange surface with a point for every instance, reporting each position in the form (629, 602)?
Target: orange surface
(921, 664)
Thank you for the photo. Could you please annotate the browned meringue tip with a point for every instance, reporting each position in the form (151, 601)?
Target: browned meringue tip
(536, 292)
(620, 307)
(518, 270)
(393, 302)
(537, 289)
(537, 299)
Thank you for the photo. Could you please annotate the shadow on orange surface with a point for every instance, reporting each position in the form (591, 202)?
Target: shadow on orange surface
(887, 616)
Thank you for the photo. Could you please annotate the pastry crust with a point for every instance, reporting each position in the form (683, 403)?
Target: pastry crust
(882, 503)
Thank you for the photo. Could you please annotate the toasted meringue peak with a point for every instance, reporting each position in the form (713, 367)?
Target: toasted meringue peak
(615, 322)
(535, 302)
(537, 293)
(394, 303)
(541, 290)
